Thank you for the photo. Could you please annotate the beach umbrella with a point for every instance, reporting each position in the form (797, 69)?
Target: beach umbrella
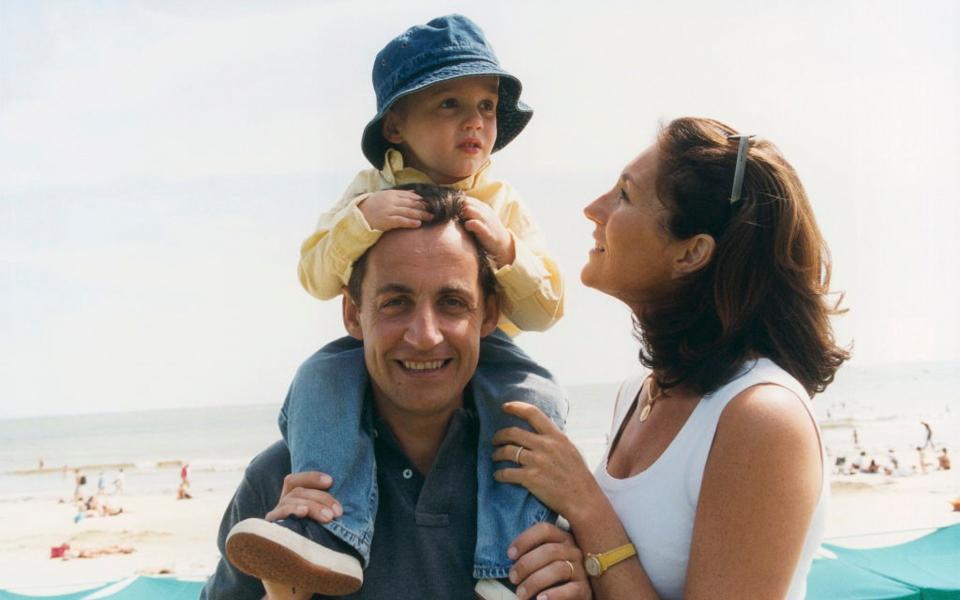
(832, 579)
(930, 563)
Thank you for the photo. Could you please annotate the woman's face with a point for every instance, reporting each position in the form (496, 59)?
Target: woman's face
(634, 254)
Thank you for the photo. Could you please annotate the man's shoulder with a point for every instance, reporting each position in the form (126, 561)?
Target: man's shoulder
(272, 464)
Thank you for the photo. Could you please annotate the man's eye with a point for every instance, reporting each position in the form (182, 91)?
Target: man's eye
(623, 196)
(488, 105)
(448, 103)
(394, 302)
(452, 302)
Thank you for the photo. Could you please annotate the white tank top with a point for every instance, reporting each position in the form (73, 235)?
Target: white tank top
(670, 487)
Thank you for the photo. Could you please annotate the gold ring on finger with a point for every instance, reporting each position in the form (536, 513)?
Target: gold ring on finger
(520, 450)
(572, 571)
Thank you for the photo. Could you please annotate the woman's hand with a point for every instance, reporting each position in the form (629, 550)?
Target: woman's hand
(303, 496)
(549, 565)
(549, 465)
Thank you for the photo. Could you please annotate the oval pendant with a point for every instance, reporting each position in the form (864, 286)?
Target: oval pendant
(644, 413)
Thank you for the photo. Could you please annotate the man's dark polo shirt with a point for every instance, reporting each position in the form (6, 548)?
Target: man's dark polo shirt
(425, 531)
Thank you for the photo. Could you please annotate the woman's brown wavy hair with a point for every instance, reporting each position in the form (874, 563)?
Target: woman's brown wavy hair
(765, 292)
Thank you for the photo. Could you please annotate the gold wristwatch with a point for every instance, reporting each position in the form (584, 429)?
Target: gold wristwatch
(596, 564)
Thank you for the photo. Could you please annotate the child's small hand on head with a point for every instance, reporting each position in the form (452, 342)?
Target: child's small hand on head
(393, 209)
(480, 220)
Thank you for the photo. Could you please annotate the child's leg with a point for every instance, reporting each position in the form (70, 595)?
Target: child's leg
(505, 373)
(327, 428)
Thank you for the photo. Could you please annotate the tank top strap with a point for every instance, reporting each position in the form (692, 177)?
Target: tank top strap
(754, 372)
(625, 397)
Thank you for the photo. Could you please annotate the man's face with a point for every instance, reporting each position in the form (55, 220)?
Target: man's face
(421, 318)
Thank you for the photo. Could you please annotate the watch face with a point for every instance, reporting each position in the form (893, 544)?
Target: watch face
(592, 566)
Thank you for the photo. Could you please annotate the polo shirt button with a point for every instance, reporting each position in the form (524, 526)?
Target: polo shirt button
(407, 473)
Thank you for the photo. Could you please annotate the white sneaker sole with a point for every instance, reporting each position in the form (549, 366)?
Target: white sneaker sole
(491, 589)
(274, 553)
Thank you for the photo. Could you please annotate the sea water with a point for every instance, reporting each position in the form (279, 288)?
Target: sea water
(885, 404)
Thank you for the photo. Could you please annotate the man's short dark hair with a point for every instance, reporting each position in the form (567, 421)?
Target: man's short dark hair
(444, 205)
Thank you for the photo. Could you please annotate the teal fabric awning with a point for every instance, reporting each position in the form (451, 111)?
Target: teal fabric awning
(930, 564)
(832, 579)
(134, 588)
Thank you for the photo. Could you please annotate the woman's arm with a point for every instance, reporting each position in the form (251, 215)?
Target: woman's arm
(760, 487)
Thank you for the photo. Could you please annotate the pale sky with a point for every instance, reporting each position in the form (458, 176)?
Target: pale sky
(160, 163)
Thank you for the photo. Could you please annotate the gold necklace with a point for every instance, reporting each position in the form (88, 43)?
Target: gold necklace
(651, 400)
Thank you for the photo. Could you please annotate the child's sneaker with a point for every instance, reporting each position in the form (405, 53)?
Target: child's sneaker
(494, 589)
(285, 552)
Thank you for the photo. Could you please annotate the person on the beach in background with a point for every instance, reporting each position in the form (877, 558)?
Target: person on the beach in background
(856, 438)
(943, 461)
(928, 442)
(101, 483)
(183, 491)
(858, 463)
(709, 238)
(185, 474)
(417, 295)
(118, 482)
(893, 464)
(81, 493)
(64, 552)
(444, 104)
(922, 463)
(78, 479)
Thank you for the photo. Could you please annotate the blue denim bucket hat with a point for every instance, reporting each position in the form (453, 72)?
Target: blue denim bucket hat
(446, 48)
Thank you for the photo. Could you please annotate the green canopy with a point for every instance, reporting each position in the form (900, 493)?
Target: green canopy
(832, 579)
(134, 588)
(930, 564)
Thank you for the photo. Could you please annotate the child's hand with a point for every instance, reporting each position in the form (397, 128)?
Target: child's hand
(393, 209)
(480, 219)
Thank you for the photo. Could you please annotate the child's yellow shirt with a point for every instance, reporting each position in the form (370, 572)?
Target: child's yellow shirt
(531, 287)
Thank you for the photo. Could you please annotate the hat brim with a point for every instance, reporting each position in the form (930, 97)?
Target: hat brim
(512, 114)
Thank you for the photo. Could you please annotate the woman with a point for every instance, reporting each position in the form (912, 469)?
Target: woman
(715, 470)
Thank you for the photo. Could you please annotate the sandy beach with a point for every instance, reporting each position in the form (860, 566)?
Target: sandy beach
(178, 537)
(168, 536)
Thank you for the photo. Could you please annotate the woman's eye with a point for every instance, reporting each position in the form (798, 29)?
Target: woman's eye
(488, 105)
(448, 103)
(623, 196)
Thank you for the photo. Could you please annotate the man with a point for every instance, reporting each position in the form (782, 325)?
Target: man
(419, 296)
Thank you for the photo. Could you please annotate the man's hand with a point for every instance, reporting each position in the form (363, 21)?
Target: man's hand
(393, 209)
(480, 220)
(303, 496)
(548, 560)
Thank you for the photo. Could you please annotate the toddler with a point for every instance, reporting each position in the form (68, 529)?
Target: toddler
(444, 105)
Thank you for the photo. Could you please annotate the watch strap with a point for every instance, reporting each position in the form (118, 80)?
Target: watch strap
(611, 557)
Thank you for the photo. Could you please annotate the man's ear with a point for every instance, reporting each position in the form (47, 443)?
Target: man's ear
(351, 316)
(391, 127)
(491, 315)
(696, 253)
